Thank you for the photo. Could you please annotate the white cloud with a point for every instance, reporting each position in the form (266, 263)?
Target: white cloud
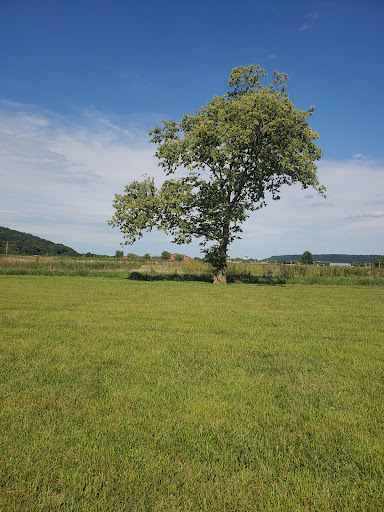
(322, 205)
(360, 156)
(368, 215)
(58, 174)
(310, 19)
(114, 126)
(341, 223)
(59, 177)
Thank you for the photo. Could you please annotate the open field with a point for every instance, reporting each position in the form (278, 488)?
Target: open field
(189, 271)
(121, 395)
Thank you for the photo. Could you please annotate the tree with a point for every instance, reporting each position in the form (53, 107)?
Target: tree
(132, 256)
(147, 256)
(233, 153)
(119, 254)
(179, 257)
(306, 258)
(165, 255)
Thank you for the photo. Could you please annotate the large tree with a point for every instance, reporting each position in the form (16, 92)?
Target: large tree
(231, 155)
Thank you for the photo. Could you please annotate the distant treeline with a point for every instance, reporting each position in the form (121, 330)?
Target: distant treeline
(332, 258)
(16, 242)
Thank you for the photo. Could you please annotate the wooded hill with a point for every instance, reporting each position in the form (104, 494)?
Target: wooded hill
(23, 243)
(332, 258)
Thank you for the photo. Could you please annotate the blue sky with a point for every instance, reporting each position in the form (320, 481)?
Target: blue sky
(83, 81)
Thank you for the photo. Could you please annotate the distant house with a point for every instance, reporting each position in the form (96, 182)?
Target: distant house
(156, 258)
(340, 264)
(185, 258)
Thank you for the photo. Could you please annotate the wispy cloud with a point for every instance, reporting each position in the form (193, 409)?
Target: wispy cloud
(341, 224)
(59, 176)
(55, 172)
(114, 126)
(374, 215)
(267, 56)
(360, 156)
(12, 213)
(24, 215)
(310, 20)
(322, 205)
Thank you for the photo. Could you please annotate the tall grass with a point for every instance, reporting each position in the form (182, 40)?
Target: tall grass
(66, 264)
(121, 395)
(199, 271)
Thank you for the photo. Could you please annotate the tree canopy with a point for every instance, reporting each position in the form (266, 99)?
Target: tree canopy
(165, 255)
(232, 155)
(306, 258)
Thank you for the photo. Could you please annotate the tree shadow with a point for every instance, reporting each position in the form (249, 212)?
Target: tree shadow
(143, 276)
(249, 279)
(206, 278)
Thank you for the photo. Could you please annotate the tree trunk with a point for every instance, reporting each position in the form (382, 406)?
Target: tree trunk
(220, 276)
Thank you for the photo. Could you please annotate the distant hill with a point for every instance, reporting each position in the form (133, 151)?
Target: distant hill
(333, 258)
(23, 243)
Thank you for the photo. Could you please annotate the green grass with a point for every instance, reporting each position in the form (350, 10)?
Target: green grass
(121, 395)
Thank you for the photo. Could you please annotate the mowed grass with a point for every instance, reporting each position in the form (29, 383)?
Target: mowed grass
(119, 395)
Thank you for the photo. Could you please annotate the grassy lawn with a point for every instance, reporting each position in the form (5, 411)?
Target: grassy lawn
(119, 395)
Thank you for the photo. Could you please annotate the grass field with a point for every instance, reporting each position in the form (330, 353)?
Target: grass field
(121, 395)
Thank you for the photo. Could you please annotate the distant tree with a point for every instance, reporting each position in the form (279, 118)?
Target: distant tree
(306, 258)
(165, 255)
(119, 254)
(179, 257)
(239, 150)
(132, 256)
(147, 256)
